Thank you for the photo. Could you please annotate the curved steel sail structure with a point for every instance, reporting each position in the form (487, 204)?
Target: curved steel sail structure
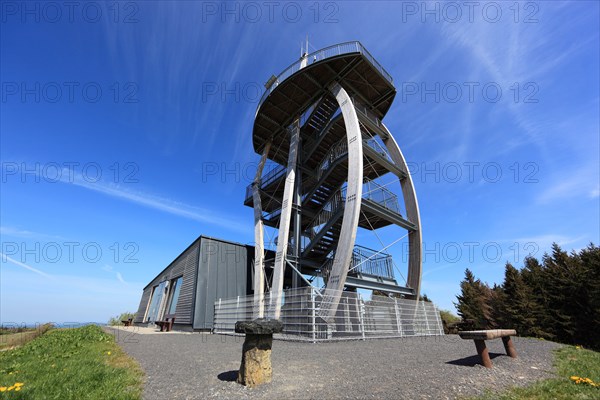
(319, 126)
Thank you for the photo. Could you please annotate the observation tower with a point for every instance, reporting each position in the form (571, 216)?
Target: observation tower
(324, 149)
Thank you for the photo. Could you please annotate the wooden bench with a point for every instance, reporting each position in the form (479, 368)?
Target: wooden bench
(481, 336)
(129, 322)
(167, 324)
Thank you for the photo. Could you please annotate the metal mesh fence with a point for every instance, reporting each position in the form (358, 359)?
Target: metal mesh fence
(356, 318)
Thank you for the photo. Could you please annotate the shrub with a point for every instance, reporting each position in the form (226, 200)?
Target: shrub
(123, 317)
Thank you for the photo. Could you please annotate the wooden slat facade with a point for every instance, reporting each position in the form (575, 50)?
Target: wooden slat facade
(210, 268)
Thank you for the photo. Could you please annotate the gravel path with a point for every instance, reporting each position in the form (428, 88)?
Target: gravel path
(200, 366)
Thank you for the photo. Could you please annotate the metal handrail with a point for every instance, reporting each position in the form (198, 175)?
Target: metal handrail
(327, 211)
(364, 261)
(365, 111)
(320, 55)
(377, 193)
(266, 179)
(338, 150)
(375, 145)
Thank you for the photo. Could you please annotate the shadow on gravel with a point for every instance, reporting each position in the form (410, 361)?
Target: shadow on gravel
(472, 360)
(229, 376)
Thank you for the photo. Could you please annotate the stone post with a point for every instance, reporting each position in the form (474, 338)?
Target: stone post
(255, 368)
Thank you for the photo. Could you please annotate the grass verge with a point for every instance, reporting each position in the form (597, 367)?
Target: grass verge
(570, 361)
(80, 363)
(21, 336)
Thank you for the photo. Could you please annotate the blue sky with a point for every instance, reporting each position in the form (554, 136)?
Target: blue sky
(126, 133)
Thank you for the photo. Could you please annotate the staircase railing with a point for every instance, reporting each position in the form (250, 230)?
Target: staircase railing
(327, 211)
(337, 151)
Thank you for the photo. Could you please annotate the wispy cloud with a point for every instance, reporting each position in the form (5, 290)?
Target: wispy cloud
(26, 234)
(110, 269)
(540, 244)
(582, 183)
(120, 278)
(510, 52)
(159, 203)
(6, 258)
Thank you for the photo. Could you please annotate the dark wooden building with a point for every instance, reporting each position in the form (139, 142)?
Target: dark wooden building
(188, 287)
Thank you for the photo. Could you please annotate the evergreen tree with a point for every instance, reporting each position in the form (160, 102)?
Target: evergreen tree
(533, 277)
(586, 296)
(473, 302)
(558, 299)
(517, 302)
(559, 283)
(497, 302)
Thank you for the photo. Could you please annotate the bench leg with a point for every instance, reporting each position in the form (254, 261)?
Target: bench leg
(509, 347)
(483, 353)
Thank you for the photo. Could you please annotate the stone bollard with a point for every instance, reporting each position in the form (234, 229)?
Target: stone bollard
(256, 352)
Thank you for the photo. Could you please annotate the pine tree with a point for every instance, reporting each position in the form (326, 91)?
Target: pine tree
(497, 302)
(518, 302)
(557, 299)
(473, 302)
(590, 323)
(559, 281)
(533, 277)
(424, 298)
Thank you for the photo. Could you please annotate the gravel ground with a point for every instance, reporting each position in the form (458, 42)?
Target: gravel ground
(200, 366)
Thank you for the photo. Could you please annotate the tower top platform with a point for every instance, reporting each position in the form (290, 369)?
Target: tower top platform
(304, 82)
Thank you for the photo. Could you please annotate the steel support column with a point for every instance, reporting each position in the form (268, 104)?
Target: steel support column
(297, 214)
(284, 222)
(412, 212)
(343, 253)
(259, 240)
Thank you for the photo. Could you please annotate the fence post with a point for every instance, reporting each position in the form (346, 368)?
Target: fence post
(426, 319)
(398, 324)
(217, 313)
(438, 320)
(361, 314)
(313, 316)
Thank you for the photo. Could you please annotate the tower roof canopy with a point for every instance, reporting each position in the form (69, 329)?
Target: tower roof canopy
(306, 80)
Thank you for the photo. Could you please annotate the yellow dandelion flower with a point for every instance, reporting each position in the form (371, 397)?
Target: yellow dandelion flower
(19, 384)
(108, 353)
(574, 378)
(17, 389)
(10, 373)
(10, 388)
(3, 388)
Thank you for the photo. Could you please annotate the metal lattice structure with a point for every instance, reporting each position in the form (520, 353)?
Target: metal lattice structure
(319, 125)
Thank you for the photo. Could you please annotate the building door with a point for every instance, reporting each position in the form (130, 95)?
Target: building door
(157, 302)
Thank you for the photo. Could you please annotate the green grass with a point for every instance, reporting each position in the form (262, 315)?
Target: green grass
(81, 363)
(20, 336)
(569, 361)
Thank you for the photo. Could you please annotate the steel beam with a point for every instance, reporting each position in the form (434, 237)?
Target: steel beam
(259, 239)
(343, 254)
(285, 222)
(412, 213)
